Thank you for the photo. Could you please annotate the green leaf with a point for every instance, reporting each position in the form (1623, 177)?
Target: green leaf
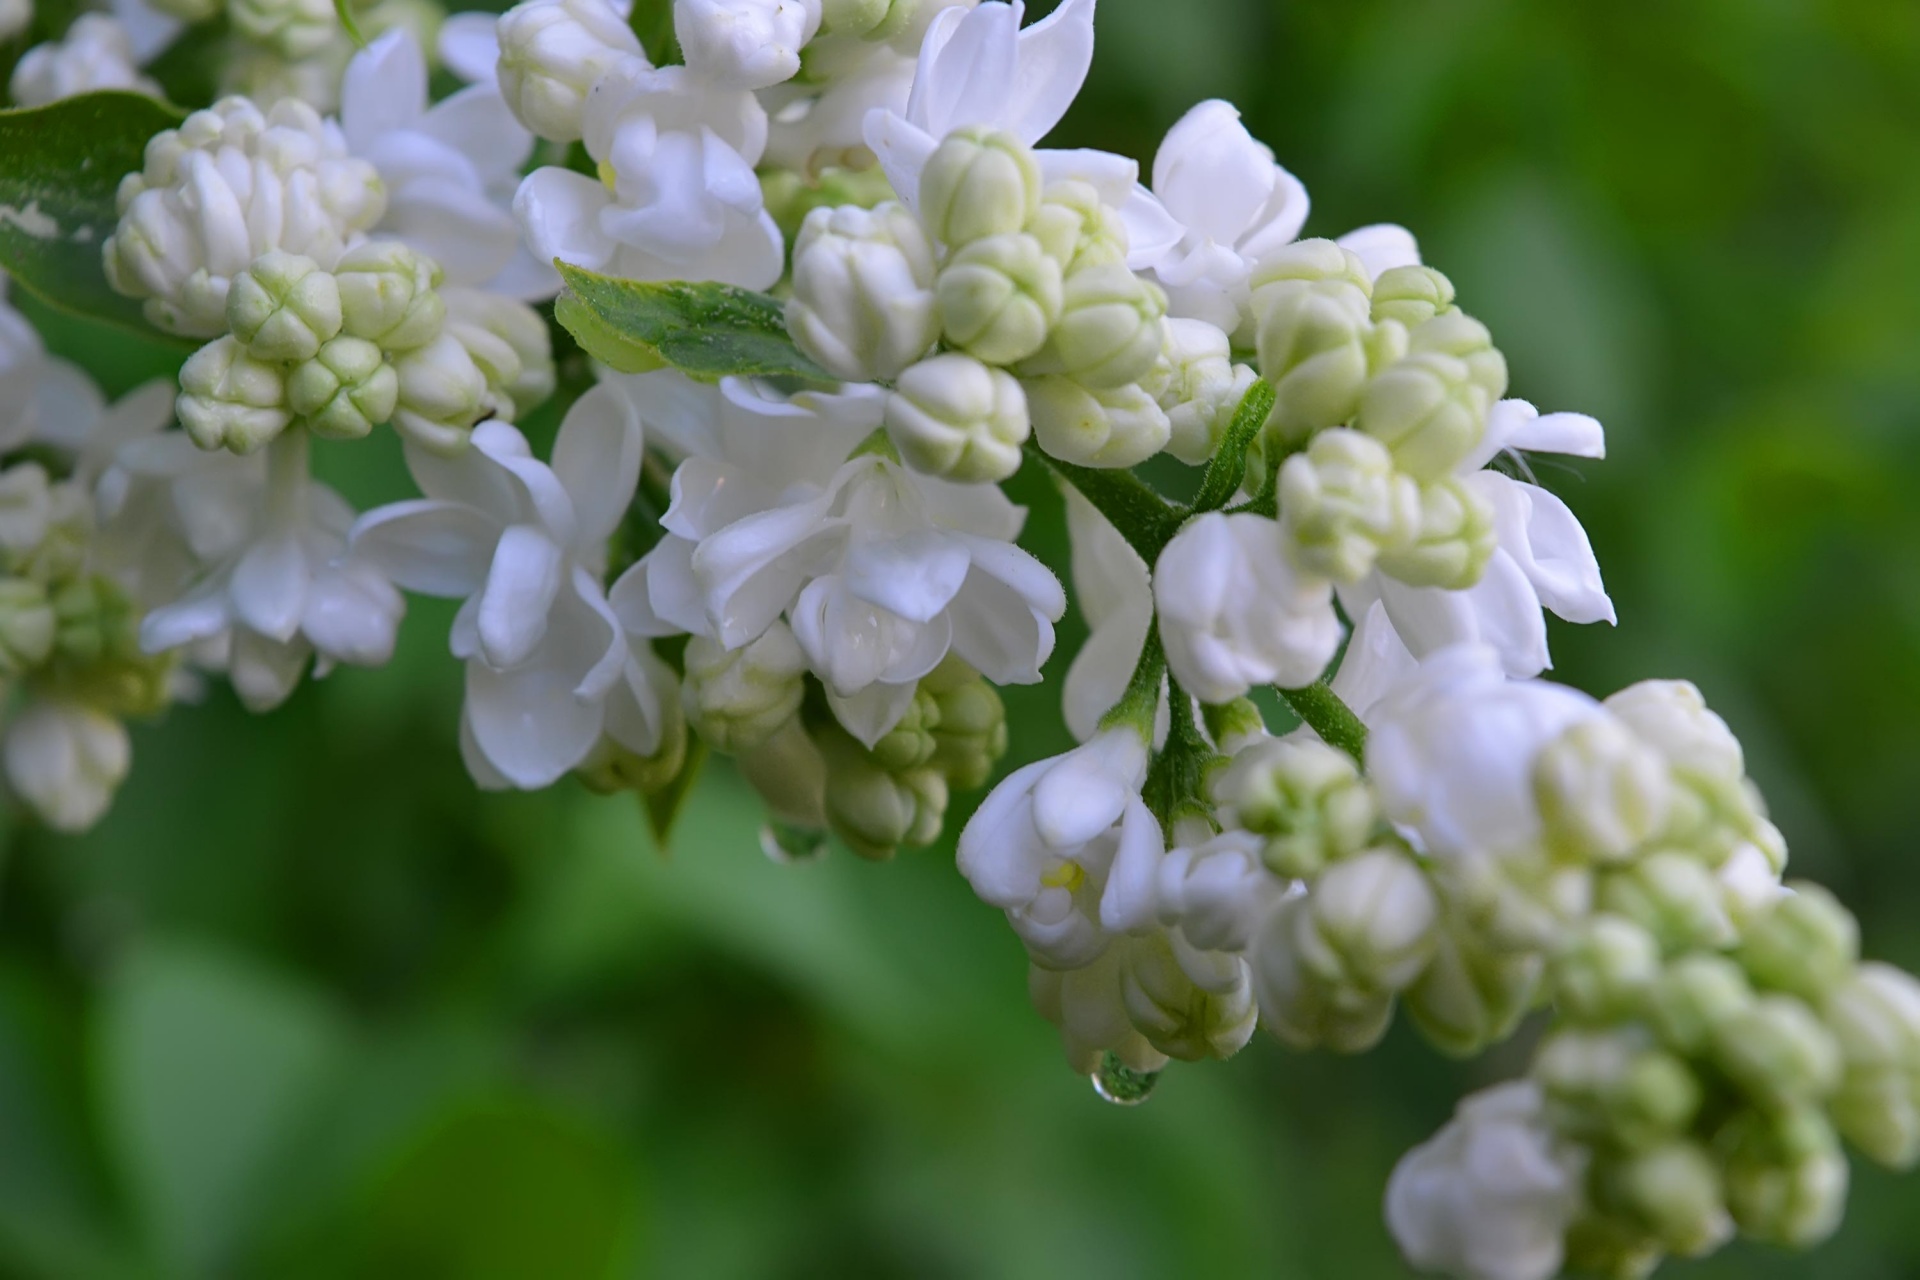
(59, 168)
(208, 1070)
(652, 23)
(664, 805)
(349, 23)
(1229, 465)
(709, 331)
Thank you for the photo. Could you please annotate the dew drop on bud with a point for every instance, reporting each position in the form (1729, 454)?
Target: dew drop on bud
(786, 844)
(1120, 1084)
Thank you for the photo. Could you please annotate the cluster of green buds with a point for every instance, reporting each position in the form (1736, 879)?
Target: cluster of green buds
(1382, 393)
(372, 341)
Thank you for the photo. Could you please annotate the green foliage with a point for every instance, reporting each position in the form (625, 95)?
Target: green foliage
(709, 331)
(59, 168)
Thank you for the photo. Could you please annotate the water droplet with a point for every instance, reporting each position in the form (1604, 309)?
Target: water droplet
(785, 843)
(1120, 1084)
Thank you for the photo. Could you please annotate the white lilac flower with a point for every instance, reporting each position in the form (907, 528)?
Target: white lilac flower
(1216, 890)
(524, 544)
(678, 199)
(66, 760)
(1491, 1195)
(1068, 849)
(817, 119)
(1114, 593)
(880, 571)
(245, 554)
(548, 55)
(1543, 558)
(450, 167)
(862, 303)
(229, 185)
(1234, 613)
(745, 44)
(96, 53)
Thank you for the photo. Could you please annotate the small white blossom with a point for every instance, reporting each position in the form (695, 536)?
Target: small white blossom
(66, 760)
(549, 56)
(862, 302)
(745, 44)
(96, 53)
(955, 417)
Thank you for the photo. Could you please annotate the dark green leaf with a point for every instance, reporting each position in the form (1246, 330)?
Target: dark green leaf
(664, 805)
(59, 168)
(706, 330)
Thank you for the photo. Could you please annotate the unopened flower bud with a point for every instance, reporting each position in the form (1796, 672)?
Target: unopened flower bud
(295, 29)
(971, 735)
(910, 744)
(1673, 895)
(283, 307)
(1191, 1006)
(1301, 1010)
(1303, 797)
(954, 417)
(229, 400)
(737, 698)
(552, 52)
(979, 182)
(1694, 999)
(387, 295)
(1077, 228)
(1674, 1191)
(1214, 888)
(1411, 295)
(1672, 718)
(1470, 995)
(1806, 944)
(1458, 335)
(1116, 427)
(1451, 545)
(1602, 792)
(1611, 1085)
(509, 342)
(1310, 302)
(1372, 922)
(1197, 383)
(873, 810)
(26, 626)
(1342, 503)
(862, 303)
(346, 390)
(611, 767)
(1786, 1176)
(744, 44)
(443, 395)
(1428, 410)
(66, 760)
(26, 509)
(1875, 1019)
(1605, 970)
(1777, 1052)
(998, 296)
(1108, 333)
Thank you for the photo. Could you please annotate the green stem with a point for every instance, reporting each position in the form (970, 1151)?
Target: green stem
(1139, 706)
(1179, 771)
(1229, 465)
(1322, 710)
(1145, 519)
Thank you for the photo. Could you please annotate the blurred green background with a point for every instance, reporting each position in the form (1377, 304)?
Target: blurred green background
(307, 1005)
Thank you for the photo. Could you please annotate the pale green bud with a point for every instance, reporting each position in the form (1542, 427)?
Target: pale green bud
(1108, 333)
(1078, 229)
(1296, 1006)
(1673, 895)
(738, 698)
(1372, 922)
(1875, 1019)
(875, 811)
(1311, 345)
(296, 29)
(910, 744)
(979, 182)
(1673, 1190)
(1777, 1052)
(1096, 427)
(1602, 792)
(93, 620)
(1672, 717)
(1460, 336)
(998, 296)
(971, 734)
(229, 400)
(862, 303)
(346, 390)
(1521, 899)
(443, 395)
(1613, 1246)
(1604, 971)
(1472, 996)
(954, 417)
(1342, 503)
(509, 342)
(1387, 345)
(283, 306)
(1428, 410)
(1613, 1086)
(1187, 1007)
(1316, 262)
(1452, 544)
(26, 510)
(1306, 798)
(611, 768)
(1694, 998)
(1411, 295)
(1805, 944)
(26, 626)
(1196, 381)
(1786, 1177)
(388, 295)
